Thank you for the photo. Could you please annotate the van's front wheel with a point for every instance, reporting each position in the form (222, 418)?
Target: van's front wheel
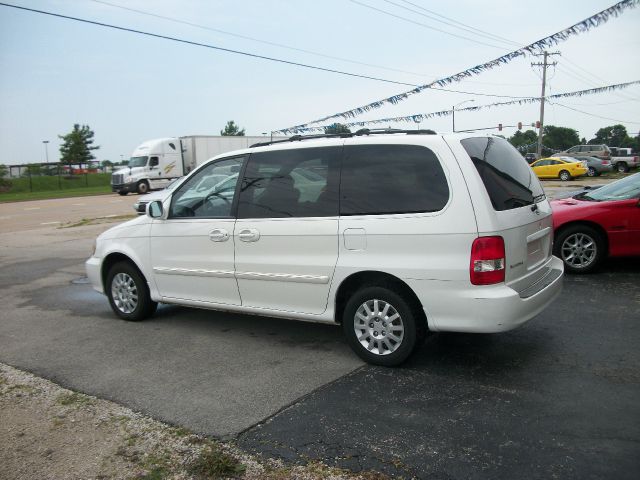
(128, 293)
(380, 326)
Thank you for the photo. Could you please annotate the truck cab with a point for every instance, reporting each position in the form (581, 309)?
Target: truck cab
(153, 165)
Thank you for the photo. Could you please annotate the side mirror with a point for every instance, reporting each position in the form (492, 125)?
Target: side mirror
(154, 209)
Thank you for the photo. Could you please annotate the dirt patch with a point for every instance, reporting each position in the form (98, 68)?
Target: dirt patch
(48, 432)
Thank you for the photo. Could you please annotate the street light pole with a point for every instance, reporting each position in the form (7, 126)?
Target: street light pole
(453, 113)
(46, 150)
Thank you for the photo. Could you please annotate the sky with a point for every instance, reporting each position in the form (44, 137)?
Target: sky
(130, 88)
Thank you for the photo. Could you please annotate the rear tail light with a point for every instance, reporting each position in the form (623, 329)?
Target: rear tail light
(605, 162)
(487, 261)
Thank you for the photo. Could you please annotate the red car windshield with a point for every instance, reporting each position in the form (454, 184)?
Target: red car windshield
(624, 189)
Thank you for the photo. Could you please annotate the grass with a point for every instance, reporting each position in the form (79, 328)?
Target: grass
(79, 192)
(214, 463)
(44, 186)
(74, 399)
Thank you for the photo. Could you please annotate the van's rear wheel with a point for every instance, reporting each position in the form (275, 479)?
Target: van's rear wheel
(128, 293)
(380, 326)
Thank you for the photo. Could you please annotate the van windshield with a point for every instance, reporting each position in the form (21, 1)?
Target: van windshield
(509, 180)
(138, 161)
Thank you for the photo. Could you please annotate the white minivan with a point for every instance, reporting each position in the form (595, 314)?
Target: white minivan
(390, 233)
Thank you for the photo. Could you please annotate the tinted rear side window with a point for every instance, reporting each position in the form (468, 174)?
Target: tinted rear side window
(379, 179)
(509, 180)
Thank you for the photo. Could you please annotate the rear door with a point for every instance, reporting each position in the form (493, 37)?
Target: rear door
(521, 214)
(286, 234)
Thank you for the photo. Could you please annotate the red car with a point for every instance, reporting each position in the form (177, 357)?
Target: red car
(598, 223)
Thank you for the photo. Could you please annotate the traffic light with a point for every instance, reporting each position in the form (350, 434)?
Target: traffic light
(519, 125)
(499, 127)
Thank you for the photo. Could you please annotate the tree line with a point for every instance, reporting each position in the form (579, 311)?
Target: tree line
(557, 139)
(77, 146)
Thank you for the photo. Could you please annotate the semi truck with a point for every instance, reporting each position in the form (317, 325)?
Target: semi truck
(155, 163)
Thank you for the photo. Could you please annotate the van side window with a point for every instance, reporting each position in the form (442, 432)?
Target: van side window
(301, 182)
(509, 181)
(384, 179)
(209, 193)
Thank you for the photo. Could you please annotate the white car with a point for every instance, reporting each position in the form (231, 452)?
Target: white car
(390, 233)
(141, 205)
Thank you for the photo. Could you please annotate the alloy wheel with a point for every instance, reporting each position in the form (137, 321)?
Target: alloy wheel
(579, 250)
(378, 327)
(124, 292)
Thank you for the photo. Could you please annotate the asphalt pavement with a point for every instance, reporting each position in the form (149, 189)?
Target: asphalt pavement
(557, 398)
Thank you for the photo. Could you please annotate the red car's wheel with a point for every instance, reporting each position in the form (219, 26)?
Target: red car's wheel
(580, 247)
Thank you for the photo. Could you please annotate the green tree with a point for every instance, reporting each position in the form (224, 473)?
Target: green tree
(336, 129)
(77, 146)
(524, 141)
(3, 171)
(106, 163)
(231, 129)
(613, 136)
(560, 138)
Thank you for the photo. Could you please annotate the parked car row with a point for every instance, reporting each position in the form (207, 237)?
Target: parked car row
(620, 159)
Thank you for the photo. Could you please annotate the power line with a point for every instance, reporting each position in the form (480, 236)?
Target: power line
(506, 40)
(281, 45)
(189, 42)
(594, 115)
(423, 25)
(205, 45)
(258, 40)
(452, 23)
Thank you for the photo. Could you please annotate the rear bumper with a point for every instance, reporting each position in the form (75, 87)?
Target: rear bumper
(486, 309)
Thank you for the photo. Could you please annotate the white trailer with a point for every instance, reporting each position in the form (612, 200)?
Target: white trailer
(155, 163)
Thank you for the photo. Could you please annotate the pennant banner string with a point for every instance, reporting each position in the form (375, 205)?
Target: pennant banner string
(419, 117)
(581, 27)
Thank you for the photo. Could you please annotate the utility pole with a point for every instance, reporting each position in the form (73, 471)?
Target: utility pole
(544, 66)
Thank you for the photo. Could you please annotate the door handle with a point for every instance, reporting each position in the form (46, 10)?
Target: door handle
(218, 235)
(249, 235)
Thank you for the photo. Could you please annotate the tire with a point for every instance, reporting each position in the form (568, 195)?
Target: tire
(391, 338)
(123, 193)
(564, 176)
(592, 172)
(143, 187)
(128, 293)
(622, 167)
(580, 247)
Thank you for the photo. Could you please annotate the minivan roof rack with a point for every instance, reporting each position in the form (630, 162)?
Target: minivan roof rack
(361, 132)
